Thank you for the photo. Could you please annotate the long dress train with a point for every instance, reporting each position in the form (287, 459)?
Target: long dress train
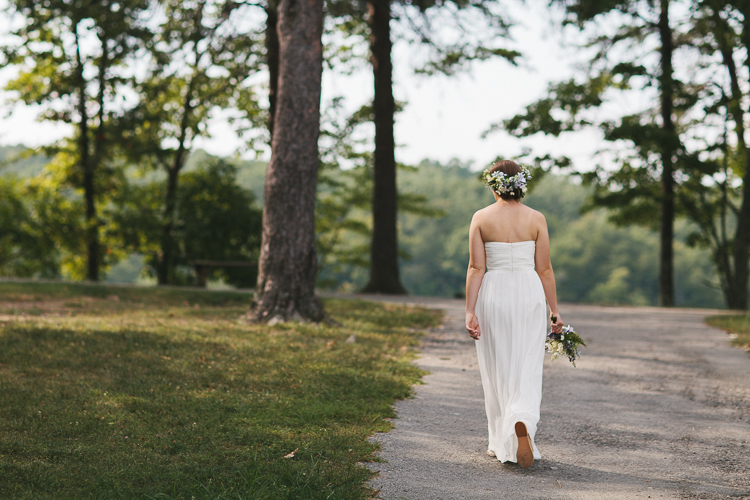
(512, 315)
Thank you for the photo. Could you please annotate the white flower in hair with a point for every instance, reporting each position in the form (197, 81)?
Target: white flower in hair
(502, 183)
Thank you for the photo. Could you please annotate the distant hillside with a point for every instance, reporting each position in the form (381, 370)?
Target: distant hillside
(594, 260)
(11, 162)
(251, 173)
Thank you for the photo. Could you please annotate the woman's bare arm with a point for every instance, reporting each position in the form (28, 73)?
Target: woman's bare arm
(543, 266)
(474, 276)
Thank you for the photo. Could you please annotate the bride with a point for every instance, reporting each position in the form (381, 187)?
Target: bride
(506, 312)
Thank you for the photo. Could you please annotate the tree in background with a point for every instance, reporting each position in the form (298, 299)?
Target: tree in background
(472, 32)
(715, 194)
(343, 215)
(215, 219)
(35, 227)
(288, 267)
(638, 55)
(73, 58)
(200, 59)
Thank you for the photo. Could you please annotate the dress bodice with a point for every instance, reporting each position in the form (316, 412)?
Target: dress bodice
(510, 256)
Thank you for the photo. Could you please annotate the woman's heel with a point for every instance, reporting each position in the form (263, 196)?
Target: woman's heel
(525, 454)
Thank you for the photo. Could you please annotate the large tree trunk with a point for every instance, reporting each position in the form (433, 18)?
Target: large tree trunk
(384, 273)
(738, 296)
(287, 268)
(666, 84)
(272, 59)
(92, 225)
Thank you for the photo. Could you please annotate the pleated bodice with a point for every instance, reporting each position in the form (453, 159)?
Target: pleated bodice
(518, 256)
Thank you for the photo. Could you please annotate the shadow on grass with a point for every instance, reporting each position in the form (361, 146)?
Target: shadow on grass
(186, 406)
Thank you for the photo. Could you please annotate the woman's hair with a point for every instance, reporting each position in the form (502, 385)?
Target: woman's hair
(509, 168)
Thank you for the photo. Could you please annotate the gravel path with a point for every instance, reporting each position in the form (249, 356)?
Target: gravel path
(659, 407)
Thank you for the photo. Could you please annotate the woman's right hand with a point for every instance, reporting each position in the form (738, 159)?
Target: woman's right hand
(472, 326)
(556, 323)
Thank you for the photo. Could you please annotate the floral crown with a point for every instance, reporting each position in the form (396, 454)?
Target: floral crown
(501, 183)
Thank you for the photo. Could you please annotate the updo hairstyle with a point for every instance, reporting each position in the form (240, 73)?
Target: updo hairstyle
(509, 168)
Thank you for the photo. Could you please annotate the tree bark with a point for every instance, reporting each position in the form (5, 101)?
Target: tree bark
(735, 273)
(166, 264)
(737, 297)
(666, 84)
(287, 267)
(165, 274)
(92, 226)
(384, 271)
(272, 59)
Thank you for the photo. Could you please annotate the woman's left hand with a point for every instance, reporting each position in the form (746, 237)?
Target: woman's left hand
(472, 326)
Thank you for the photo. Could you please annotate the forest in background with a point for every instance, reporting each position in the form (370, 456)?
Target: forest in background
(595, 261)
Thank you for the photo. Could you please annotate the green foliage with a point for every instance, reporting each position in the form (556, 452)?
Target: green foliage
(73, 58)
(590, 255)
(625, 47)
(26, 247)
(215, 219)
(124, 392)
(200, 58)
(42, 228)
(343, 223)
(454, 33)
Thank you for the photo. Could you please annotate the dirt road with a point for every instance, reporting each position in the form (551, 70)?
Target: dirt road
(659, 407)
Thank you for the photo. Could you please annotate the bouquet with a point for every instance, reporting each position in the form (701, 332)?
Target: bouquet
(565, 343)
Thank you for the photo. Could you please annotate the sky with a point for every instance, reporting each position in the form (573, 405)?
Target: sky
(444, 116)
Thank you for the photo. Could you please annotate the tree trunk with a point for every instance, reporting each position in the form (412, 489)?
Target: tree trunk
(100, 137)
(272, 59)
(166, 264)
(92, 226)
(736, 276)
(737, 296)
(666, 84)
(165, 274)
(287, 267)
(384, 272)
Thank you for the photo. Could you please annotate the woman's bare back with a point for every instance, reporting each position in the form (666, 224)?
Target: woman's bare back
(509, 222)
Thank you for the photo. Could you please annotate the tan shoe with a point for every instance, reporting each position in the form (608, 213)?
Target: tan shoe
(525, 454)
(491, 453)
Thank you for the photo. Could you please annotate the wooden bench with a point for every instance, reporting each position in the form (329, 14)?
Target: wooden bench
(204, 267)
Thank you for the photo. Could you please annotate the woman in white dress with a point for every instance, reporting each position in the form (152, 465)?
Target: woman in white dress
(506, 312)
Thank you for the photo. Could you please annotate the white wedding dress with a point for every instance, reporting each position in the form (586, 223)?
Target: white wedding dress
(512, 315)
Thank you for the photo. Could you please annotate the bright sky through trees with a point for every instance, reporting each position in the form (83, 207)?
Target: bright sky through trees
(444, 116)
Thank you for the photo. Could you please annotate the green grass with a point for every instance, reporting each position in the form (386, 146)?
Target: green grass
(163, 393)
(738, 325)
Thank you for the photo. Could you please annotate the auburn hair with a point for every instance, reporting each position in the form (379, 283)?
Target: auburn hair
(509, 168)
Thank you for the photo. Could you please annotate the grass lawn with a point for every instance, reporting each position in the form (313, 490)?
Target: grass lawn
(738, 325)
(115, 392)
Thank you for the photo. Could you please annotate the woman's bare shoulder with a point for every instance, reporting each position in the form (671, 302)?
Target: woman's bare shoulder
(537, 215)
(481, 213)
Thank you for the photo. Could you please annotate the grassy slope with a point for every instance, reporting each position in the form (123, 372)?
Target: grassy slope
(112, 392)
(738, 325)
